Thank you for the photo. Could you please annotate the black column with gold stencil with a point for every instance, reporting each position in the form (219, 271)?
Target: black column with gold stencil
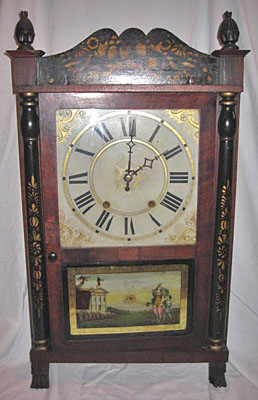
(37, 266)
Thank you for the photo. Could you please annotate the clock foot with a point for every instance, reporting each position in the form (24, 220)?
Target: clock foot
(40, 375)
(217, 374)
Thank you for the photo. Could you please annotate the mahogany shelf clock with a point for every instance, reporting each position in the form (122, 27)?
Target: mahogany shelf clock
(128, 163)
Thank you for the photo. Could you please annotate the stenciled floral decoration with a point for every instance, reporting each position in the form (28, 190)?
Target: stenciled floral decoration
(223, 245)
(35, 245)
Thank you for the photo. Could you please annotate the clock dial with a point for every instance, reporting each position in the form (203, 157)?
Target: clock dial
(127, 177)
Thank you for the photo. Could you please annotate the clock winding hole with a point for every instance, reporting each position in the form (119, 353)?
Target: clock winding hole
(151, 203)
(106, 204)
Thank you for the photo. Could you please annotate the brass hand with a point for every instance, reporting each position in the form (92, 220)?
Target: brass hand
(148, 162)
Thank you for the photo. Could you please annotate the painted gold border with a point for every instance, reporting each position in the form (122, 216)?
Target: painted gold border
(184, 268)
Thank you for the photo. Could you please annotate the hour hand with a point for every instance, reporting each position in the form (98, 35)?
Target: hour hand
(148, 163)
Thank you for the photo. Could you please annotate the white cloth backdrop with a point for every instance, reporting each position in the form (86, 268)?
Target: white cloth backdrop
(59, 25)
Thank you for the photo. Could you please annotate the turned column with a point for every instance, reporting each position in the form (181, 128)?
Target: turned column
(222, 241)
(37, 266)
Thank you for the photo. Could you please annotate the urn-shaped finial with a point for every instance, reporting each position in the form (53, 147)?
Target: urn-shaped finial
(24, 32)
(229, 32)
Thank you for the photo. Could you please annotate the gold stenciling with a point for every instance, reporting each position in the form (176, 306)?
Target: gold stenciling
(185, 115)
(64, 119)
(35, 249)
(223, 245)
(69, 232)
(181, 116)
(100, 298)
(189, 233)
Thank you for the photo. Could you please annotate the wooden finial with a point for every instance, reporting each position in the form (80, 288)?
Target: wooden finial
(24, 32)
(228, 32)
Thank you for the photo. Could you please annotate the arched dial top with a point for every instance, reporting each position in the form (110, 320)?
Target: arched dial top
(127, 177)
(130, 58)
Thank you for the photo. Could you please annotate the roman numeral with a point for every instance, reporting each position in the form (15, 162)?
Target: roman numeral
(171, 201)
(104, 221)
(172, 152)
(154, 220)
(178, 177)
(103, 133)
(85, 199)
(154, 133)
(78, 178)
(86, 152)
(128, 226)
(131, 128)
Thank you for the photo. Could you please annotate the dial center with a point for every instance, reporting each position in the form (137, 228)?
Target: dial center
(128, 178)
(128, 192)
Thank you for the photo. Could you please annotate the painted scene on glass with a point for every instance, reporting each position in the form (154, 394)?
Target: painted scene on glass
(127, 300)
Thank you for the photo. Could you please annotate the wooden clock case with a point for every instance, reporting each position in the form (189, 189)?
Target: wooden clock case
(135, 71)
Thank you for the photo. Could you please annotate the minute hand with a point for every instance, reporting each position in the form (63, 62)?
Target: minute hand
(128, 175)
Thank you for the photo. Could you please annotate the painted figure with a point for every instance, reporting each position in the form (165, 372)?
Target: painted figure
(158, 297)
(167, 305)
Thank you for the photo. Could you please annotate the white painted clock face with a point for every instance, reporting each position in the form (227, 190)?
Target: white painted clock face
(127, 177)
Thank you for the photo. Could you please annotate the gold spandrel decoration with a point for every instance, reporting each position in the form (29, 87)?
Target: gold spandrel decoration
(64, 119)
(70, 234)
(223, 245)
(35, 249)
(190, 116)
(189, 233)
